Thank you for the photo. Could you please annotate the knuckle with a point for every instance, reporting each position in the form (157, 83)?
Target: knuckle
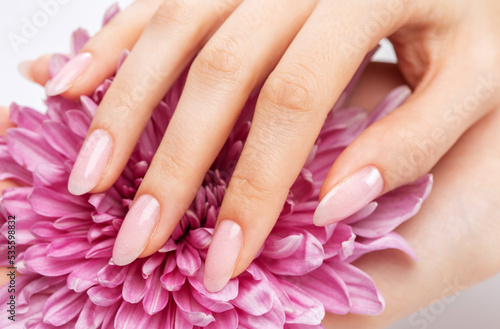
(293, 90)
(120, 100)
(222, 58)
(250, 187)
(177, 12)
(172, 164)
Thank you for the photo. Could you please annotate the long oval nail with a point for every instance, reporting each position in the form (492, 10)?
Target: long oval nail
(136, 230)
(223, 253)
(68, 74)
(91, 162)
(349, 196)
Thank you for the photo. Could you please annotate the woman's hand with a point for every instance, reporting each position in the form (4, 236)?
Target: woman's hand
(455, 234)
(305, 52)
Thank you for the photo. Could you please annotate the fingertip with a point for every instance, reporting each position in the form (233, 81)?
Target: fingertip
(5, 122)
(38, 71)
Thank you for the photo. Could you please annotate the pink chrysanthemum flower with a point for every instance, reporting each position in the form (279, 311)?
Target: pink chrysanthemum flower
(64, 242)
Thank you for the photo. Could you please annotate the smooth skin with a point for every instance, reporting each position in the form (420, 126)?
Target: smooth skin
(457, 247)
(304, 52)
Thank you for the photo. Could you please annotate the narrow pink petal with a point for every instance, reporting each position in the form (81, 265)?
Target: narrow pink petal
(341, 243)
(88, 105)
(36, 259)
(392, 210)
(63, 306)
(303, 187)
(173, 280)
(200, 238)
(9, 168)
(121, 59)
(134, 286)
(391, 240)
(112, 276)
(310, 250)
(151, 264)
(228, 293)
(103, 249)
(335, 298)
(78, 39)
(91, 316)
(131, 316)
(110, 13)
(364, 295)
(51, 175)
(104, 296)
(180, 322)
(23, 232)
(392, 101)
(33, 286)
(191, 310)
(255, 297)
(274, 319)
(78, 122)
(156, 297)
(213, 305)
(48, 203)
(45, 230)
(27, 118)
(61, 139)
(85, 276)
(224, 320)
(56, 63)
(277, 247)
(29, 149)
(70, 247)
(188, 259)
(306, 309)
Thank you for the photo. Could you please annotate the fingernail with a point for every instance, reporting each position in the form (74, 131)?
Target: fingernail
(24, 68)
(136, 230)
(68, 74)
(91, 162)
(349, 196)
(222, 255)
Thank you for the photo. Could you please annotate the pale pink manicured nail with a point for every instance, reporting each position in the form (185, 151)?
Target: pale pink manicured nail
(349, 196)
(91, 162)
(24, 68)
(136, 230)
(68, 74)
(222, 255)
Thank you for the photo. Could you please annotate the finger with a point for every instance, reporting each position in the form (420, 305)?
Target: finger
(5, 122)
(408, 142)
(462, 180)
(98, 57)
(291, 109)
(219, 83)
(149, 71)
(37, 70)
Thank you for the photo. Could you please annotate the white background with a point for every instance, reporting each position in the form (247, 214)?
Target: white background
(478, 307)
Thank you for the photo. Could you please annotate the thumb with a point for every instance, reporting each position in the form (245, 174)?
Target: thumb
(406, 144)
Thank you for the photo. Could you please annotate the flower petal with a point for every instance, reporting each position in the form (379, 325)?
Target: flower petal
(131, 316)
(188, 259)
(85, 276)
(63, 306)
(156, 297)
(364, 295)
(191, 310)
